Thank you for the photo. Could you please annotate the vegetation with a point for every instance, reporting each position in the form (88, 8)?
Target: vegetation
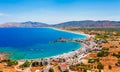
(11, 62)
(45, 63)
(91, 60)
(110, 67)
(101, 36)
(51, 70)
(26, 64)
(118, 60)
(117, 55)
(100, 65)
(108, 31)
(102, 53)
(34, 64)
(105, 37)
(79, 67)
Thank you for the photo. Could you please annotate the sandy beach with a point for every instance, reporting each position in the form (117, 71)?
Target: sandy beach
(69, 54)
(80, 33)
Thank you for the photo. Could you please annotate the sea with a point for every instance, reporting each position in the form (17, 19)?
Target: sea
(35, 43)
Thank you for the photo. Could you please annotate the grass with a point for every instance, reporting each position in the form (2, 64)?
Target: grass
(106, 30)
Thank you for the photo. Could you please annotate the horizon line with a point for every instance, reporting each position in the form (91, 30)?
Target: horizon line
(55, 23)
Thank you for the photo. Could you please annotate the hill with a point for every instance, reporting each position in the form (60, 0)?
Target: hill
(86, 23)
(24, 24)
(89, 23)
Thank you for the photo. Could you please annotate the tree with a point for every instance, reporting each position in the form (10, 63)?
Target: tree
(41, 64)
(35, 64)
(45, 63)
(51, 70)
(119, 60)
(84, 70)
(114, 54)
(110, 67)
(12, 62)
(97, 59)
(91, 61)
(100, 54)
(26, 64)
(100, 65)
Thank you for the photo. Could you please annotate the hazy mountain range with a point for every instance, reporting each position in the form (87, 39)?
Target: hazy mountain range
(86, 23)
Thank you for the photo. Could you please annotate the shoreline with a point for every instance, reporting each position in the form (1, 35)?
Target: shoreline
(82, 33)
(79, 49)
(67, 53)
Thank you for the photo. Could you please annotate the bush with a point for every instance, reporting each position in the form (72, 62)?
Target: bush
(84, 70)
(97, 59)
(91, 61)
(110, 67)
(26, 64)
(45, 63)
(51, 70)
(119, 60)
(101, 36)
(114, 54)
(100, 54)
(103, 53)
(35, 64)
(12, 62)
(100, 65)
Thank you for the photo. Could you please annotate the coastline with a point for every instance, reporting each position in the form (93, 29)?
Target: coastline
(81, 50)
(76, 51)
(82, 33)
(71, 58)
(64, 54)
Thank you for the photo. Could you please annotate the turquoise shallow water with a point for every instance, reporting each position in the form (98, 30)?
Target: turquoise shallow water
(32, 43)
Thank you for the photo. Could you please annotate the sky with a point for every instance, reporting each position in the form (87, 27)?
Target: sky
(57, 11)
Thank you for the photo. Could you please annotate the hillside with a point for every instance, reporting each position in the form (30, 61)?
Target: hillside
(89, 23)
(24, 24)
(86, 23)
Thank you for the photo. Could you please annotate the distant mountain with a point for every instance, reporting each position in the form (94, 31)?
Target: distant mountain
(35, 24)
(86, 23)
(24, 24)
(11, 24)
(89, 23)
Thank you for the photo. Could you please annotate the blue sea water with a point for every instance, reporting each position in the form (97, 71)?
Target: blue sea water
(32, 43)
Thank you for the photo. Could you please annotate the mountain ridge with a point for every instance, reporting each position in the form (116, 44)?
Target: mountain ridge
(85, 23)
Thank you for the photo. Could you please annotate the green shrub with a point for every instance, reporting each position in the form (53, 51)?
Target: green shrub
(119, 60)
(12, 62)
(103, 53)
(91, 61)
(100, 54)
(100, 65)
(51, 70)
(26, 64)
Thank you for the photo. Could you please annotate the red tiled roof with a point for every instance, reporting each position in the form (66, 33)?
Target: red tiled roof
(63, 65)
(79, 71)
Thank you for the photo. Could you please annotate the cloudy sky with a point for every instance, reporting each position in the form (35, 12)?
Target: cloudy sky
(56, 11)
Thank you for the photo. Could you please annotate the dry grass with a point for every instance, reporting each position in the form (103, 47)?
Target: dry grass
(33, 69)
(6, 68)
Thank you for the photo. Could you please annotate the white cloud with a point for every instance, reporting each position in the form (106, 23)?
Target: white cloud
(2, 14)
